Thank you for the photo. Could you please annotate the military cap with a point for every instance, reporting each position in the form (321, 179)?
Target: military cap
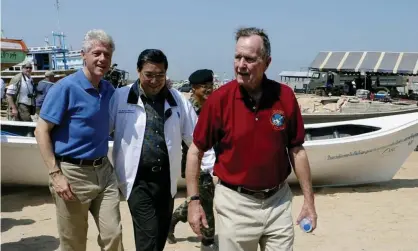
(201, 76)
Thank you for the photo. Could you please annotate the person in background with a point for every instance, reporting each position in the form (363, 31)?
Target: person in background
(202, 86)
(72, 134)
(2, 89)
(21, 95)
(42, 89)
(259, 129)
(169, 83)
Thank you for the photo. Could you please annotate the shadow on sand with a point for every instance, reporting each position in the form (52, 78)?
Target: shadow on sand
(193, 239)
(9, 223)
(43, 242)
(15, 198)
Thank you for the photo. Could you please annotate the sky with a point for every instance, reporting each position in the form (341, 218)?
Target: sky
(200, 34)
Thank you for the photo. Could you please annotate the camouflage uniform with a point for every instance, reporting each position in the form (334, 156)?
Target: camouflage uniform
(206, 191)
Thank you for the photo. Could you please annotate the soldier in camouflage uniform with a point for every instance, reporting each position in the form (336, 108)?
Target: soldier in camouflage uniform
(202, 86)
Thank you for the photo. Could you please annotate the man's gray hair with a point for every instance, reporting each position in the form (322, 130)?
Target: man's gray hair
(251, 31)
(94, 36)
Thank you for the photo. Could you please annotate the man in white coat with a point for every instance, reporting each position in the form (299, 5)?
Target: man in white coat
(150, 121)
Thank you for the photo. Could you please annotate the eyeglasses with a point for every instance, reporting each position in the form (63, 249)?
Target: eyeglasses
(158, 76)
(28, 68)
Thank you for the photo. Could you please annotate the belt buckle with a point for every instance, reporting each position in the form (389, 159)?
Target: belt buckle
(94, 162)
(259, 195)
(156, 169)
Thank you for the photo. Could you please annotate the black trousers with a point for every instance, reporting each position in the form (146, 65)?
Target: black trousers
(151, 206)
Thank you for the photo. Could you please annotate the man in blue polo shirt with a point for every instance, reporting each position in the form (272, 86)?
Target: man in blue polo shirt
(72, 134)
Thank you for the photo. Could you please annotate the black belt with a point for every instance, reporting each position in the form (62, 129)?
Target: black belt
(82, 162)
(258, 194)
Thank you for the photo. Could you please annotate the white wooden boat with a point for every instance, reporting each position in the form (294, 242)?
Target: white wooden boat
(340, 153)
(359, 151)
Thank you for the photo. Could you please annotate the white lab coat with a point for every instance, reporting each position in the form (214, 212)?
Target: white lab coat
(127, 119)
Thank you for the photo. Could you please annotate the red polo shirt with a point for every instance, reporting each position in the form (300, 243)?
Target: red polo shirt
(252, 142)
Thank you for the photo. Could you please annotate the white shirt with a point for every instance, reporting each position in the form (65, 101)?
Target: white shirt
(26, 87)
(127, 119)
(2, 87)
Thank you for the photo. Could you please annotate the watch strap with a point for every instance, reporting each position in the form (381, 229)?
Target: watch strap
(193, 197)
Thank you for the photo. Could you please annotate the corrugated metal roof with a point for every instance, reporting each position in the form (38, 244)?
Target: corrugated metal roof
(301, 74)
(368, 61)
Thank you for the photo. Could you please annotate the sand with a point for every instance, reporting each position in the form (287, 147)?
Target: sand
(373, 217)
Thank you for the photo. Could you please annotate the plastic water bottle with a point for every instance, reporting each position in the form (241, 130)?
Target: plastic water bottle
(306, 225)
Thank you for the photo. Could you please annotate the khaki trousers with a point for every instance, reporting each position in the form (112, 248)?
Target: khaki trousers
(96, 191)
(245, 222)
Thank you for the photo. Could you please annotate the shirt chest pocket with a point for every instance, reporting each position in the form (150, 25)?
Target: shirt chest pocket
(127, 116)
(172, 125)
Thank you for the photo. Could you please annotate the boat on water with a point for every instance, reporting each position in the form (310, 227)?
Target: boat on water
(340, 153)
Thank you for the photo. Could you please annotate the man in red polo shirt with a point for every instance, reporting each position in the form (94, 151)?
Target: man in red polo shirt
(258, 128)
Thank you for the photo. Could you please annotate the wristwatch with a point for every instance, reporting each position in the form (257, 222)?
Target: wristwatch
(54, 172)
(194, 197)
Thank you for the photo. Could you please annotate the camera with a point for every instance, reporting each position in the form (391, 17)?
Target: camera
(32, 95)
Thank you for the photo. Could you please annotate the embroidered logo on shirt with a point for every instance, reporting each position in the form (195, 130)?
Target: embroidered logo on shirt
(126, 111)
(277, 120)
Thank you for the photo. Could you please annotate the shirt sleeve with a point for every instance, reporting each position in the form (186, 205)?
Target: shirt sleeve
(113, 109)
(206, 132)
(188, 126)
(11, 89)
(208, 161)
(188, 122)
(296, 127)
(55, 104)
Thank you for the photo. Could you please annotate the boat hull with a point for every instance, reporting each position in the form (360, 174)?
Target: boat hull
(338, 117)
(366, 158)
(362, 161)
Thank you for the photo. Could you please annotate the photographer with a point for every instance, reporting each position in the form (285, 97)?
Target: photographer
(21, 94)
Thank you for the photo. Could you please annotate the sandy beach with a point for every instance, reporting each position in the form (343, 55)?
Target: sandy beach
(373, 217)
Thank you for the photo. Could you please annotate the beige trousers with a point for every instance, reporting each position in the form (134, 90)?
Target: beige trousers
(96, 191)
(245, 222)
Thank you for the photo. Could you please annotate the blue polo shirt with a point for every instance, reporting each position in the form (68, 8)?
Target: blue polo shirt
(81, 116)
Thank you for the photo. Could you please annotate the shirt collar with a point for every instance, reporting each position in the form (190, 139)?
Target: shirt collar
(270, 90)
(86, 84)
(135, 92)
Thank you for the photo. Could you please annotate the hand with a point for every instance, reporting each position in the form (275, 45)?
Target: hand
(308, 211)
(62, 187)
(14, 112)
(196, 217)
